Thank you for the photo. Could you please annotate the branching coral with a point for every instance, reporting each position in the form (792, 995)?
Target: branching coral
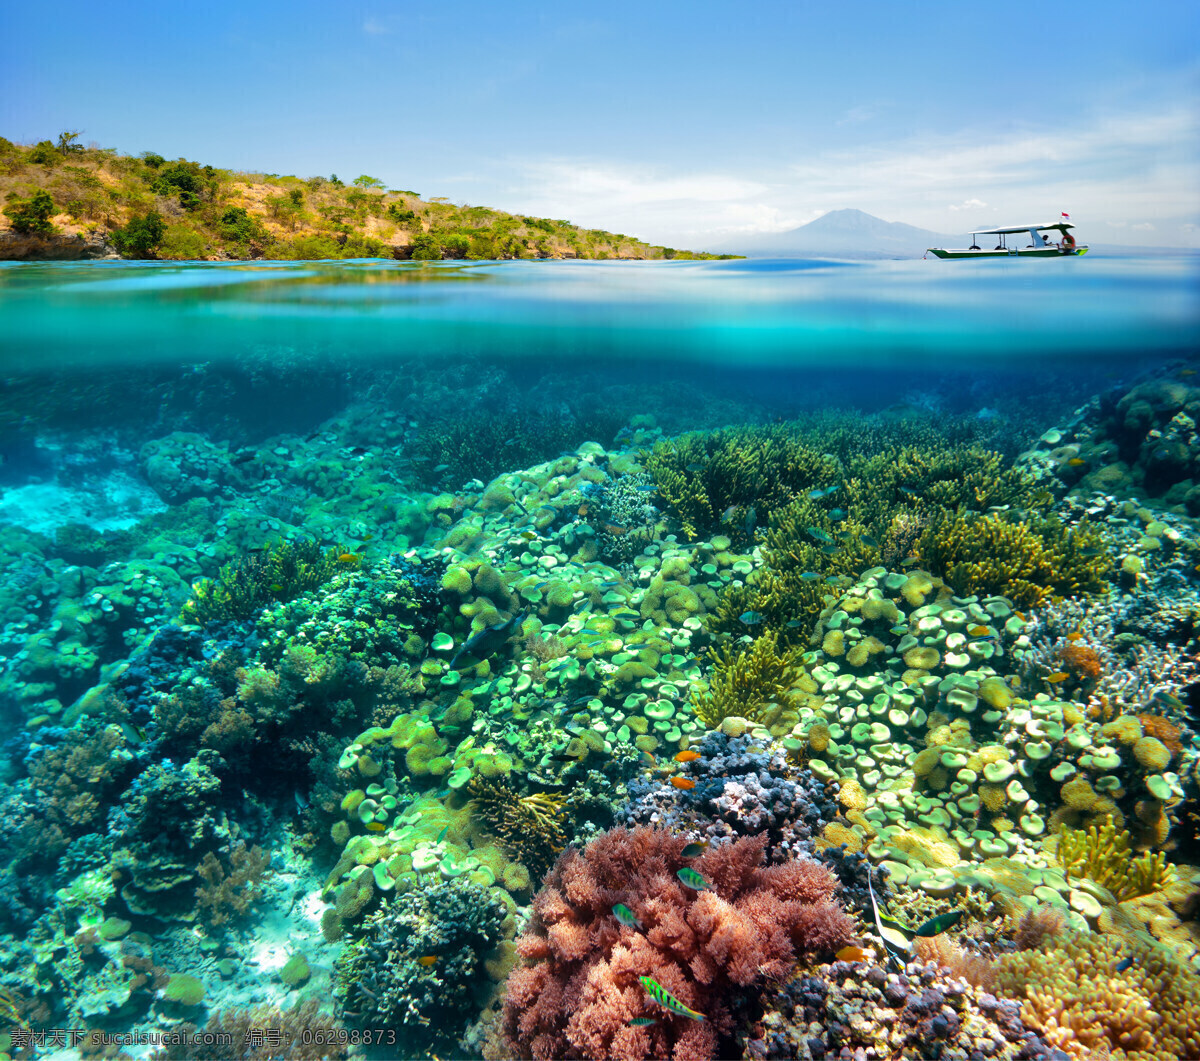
(280, 572)
(532, 827)
(1026, 562)
(745, 683)
(708, 948)
(1099, 996)
(1103, 854)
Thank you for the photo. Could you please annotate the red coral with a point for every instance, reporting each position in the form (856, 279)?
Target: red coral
(579, 988)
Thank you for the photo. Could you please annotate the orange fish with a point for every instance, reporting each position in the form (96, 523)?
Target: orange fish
(1021, 616)
(375, 827)
(1057, 676)
(683, 782)
(1075, 635)
(1075, 462)
(978, 631)
(853, 954)
(347, 558)
(687, 756)
(428, 960)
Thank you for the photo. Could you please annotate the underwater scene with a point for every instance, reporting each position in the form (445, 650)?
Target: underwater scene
(607, 660)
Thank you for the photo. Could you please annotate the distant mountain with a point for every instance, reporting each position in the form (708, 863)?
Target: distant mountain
(847, 234)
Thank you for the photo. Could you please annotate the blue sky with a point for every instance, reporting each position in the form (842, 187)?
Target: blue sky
(693, 123)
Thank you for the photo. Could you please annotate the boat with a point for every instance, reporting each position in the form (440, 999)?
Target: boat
(1040, 246)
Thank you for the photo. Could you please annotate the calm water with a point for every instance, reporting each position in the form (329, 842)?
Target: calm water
(790, 314)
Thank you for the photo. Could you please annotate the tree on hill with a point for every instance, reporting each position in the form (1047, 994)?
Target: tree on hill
(141, 237)
(32, 216)
(369, 182)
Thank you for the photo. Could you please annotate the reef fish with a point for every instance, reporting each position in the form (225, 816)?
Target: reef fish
(937, 925)
(852, 954)
(692, 879)
(820, 535)
(626, 916)
(695, 849)
(1166, 698)
(489, 639)
(1076, 462)
(810, 576)
(428, 959)
(978, 631)
(751, 618)
(642, 1022)
(667, 1000)
(687, 756)
(1056, 677)
(868, 541)
(1124, 963)
(695, 466)
(683, 782)
(893, 934)
(836, 514)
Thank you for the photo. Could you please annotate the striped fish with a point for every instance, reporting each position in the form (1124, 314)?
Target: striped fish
(664, 998)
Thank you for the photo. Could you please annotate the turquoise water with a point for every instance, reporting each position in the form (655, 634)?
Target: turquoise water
(255, 517)
(789, 314)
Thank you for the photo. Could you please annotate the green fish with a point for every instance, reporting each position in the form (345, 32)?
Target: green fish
(664, 998)
(692, 879)
(751, 618)
(830, 550)
(695, 466)
(693, 850)
(642, 1022)
(626, 916)
(937, 925)
(868, 541)
(819, 534)
(833, 580)
(810, 576)
(900, 629)
(792, 624)
(442, 835)
(1169, 700)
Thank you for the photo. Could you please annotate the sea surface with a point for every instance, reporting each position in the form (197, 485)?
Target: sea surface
(252, 513)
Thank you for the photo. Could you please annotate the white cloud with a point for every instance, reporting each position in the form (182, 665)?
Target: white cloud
(1145, 226)
(1120, 170)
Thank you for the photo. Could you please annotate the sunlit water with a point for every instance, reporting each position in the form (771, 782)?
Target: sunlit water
(778, 314)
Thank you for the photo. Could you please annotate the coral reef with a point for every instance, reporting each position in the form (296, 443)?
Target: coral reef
(1093, 995)
(420, 962)
(1103, 854)
(709, 948)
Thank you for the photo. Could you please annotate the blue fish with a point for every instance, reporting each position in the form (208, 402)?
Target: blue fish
(810, 576)
(836, 514)
(751, 618)
(489, 639)
(1125, 963)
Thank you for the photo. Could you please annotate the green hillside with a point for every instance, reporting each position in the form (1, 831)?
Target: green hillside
(64, 200)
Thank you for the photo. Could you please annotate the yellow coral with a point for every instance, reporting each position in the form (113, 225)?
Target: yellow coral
(833, 643)
(1124, 728)
(1152, 754)
(1103, 854)
(852, 796)
(1074, 995)
(922, 657)
(1078, 794)
(744, 683)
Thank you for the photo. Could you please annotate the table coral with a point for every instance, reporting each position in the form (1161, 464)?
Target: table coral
(579, 990)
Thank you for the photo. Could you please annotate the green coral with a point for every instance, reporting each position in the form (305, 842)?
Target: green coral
(280, 572)
(754, 684)
(1029, 561)
(1102, 854)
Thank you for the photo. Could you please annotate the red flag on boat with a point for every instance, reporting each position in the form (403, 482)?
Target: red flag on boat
(1067, 216)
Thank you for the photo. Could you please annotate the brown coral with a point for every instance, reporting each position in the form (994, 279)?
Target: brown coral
(579, 990)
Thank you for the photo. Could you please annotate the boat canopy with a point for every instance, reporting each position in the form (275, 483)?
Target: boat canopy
(1062, 226)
